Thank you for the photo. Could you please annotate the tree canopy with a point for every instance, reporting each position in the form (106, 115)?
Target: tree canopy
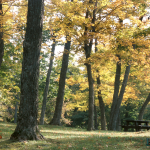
(104, 36)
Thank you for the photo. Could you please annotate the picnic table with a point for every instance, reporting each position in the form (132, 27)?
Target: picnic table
(136, 124)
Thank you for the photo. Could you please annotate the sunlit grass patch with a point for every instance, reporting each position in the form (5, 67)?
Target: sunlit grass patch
(66, 138)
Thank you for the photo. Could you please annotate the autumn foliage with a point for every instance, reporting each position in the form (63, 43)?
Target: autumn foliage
(114, 28)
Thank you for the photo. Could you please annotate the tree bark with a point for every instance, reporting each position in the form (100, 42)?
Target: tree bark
(118, 127)
(91, 99)
(47, 84)
(116, 88)
(1, 34)
(60, 94)
(87, 48)
(27, 128)
(140, 117)
(115, 111)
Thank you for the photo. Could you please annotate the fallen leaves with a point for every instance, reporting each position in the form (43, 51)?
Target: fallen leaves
(69, 145)
(39, 147)
(72, 138)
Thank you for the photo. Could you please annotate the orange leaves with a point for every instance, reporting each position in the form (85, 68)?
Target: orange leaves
(0, 137)
(39, 147)
(130, 93)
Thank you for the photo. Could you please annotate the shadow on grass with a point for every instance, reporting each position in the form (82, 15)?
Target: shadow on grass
(79, 143)
(63, 138)
(8, 144)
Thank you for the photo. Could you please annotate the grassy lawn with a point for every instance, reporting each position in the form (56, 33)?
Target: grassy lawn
(63, 138)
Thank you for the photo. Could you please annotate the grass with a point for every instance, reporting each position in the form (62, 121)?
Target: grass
(66, 138)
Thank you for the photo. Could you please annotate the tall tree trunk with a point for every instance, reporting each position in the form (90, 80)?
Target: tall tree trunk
(1, 34)
(116, 88)
(101, 102)
(140, 117)
(91, 99)
(87, 48)
(47, 84)
(60, 94)
(27, 128)
(115, 111)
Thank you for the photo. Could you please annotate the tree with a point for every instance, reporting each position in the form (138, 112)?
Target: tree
(47, 83)
(60, 94)
(117, 98)
(87, 49)
(88, 42)
(65, 25)
(27, 128)
(141, 113)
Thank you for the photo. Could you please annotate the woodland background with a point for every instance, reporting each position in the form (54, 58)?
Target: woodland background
(106, 36)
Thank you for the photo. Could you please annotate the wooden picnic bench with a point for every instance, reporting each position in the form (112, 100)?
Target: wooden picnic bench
(136, 124)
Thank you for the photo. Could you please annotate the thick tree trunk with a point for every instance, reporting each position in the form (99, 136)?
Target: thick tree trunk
(115, 111)
(47, 84)
(60, 94)
(27, 128)
(140, 117)
(1, 34)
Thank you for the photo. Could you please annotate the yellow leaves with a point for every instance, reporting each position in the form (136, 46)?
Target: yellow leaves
(44, 44)
(80, 101)
(130, 93)
(70, 81)
(13, 18)
(16, 88)
(66, 18)
(57, 19)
